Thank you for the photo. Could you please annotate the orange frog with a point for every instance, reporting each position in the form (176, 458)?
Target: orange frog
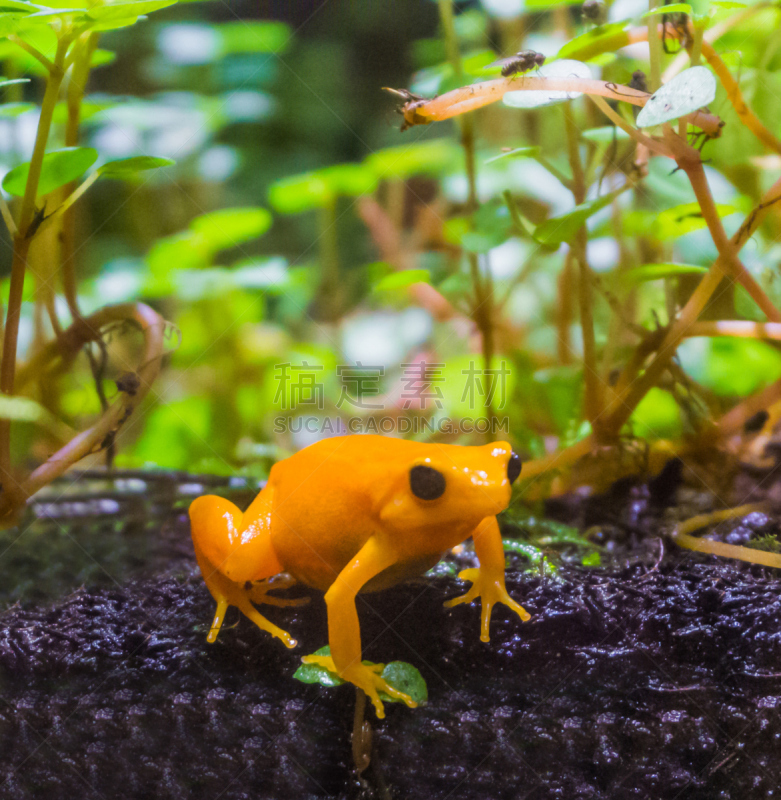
(352, 514)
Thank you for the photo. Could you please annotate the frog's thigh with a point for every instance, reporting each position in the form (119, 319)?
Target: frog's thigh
(235, 544)
(344, 633)
(233, 548)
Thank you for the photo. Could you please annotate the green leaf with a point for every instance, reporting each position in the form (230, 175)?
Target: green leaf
(596, 41)
(101, 57)
(555, 69)
(731, 367)
(606, 135)
(406, 678)
(118, 11)
(518, 152)
(15, 109)
(653, 272)
(253, 37)
(400, 280)
(125, 168)
(657, 416)
(685, 93)
(320, 189)
(672, 223)
(59, 167)
(672, 8)
(399, 674)
(432, 157)
(230, 227)
(17, 5)
(560, 229)
(593, 559)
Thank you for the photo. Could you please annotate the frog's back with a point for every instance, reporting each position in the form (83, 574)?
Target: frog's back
(325, 499)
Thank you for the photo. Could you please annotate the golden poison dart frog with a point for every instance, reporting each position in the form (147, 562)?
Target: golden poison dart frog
(352, 514)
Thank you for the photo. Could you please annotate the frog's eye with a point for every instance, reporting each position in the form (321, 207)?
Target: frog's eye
(426, 482)
(513, 467)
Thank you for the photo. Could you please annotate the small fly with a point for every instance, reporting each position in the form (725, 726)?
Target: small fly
(520, 62)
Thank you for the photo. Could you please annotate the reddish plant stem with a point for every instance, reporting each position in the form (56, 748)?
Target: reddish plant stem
(84, 330)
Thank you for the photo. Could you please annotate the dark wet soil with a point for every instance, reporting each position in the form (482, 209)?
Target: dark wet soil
(657, 675)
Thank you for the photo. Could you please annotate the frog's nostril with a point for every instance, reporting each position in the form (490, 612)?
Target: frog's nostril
(513, 467)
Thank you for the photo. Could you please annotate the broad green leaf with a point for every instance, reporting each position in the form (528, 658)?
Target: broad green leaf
(518, 152)
(605, 38)
(117, 11)
(657, 416)
(253, 37)
(685, 93)
(59, 167)
(125, 168)
(560, 229)
(406, 678)
(399, 674)
(555, 69)
(400, 280)
(593, 559)
(101, 57)
(672, 8)
(431, 157)
(731, 367)
(672, 223)
(15, 109)
(230, 227)
(606, 135)
(17, 5)
(728, 4)
(319, 189)
(653, 272)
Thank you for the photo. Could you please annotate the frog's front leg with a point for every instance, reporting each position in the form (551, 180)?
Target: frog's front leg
(488, 579)
(233, 548)
(344, 633)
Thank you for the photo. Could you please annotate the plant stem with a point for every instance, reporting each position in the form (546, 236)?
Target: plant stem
(21, 248)
(82, 53)
(654, 50)
(476, 95)
(689, 160)
(747, 116)
(628, 394)
(592, 392)
(85, 330)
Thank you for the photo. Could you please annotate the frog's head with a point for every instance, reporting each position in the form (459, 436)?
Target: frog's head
(447, 484)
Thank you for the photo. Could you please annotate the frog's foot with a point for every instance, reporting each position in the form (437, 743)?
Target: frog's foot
(491, 592)
(227, 593)
(258, 592)
(366, 677)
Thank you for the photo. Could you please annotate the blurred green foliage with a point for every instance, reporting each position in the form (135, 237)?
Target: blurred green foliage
(320, 265)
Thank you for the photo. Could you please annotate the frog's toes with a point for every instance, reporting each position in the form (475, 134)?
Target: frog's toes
(366, 677)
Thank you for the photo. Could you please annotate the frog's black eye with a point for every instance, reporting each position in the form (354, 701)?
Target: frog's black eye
(426, 482)
(513, 467)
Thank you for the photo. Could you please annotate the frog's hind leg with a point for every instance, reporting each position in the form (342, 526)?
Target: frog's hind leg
(234, 548)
